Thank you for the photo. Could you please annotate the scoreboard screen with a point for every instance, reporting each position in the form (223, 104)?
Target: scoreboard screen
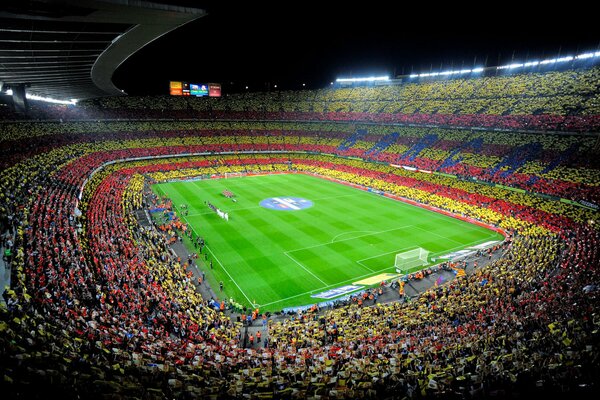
(198, 89)
(176, 88)
(180, 88)
(214, 90)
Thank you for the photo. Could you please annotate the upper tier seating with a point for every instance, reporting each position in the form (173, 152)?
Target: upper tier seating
(566, 100)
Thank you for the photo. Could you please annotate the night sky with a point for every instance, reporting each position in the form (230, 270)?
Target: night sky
(296, 42)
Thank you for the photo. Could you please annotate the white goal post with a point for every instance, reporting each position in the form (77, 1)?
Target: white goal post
(228, 175)
(408, 260)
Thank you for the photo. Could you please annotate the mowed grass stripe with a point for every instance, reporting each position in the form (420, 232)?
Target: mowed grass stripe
(287, 232)
(173, 191)
(240, 253)
(252, 260)
(255, 243)
(272, 279)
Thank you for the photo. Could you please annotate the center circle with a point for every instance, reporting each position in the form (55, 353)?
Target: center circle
(286, 203)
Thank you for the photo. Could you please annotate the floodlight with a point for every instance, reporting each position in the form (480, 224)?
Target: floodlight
(584, 56)
(367, 79)
(516, 65)
(31, 96)
(564, 59)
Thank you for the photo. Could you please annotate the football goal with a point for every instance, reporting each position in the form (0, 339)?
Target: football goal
(407, 261)
(228, 175)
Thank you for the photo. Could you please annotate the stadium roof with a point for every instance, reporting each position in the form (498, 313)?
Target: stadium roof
(69, 49)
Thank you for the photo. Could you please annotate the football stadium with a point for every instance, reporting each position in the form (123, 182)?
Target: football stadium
(424, 234)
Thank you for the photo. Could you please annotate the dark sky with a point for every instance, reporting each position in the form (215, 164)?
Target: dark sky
(291, 43)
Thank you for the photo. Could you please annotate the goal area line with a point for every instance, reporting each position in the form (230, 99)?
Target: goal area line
(377, 274)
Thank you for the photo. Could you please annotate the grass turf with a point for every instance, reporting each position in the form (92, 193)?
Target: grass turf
(279, 258)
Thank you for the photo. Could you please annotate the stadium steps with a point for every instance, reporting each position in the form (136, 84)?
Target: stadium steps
(564, 156)
(475, 145)
(517, 158)
(351, 141)
(383, 144)
(426, 141)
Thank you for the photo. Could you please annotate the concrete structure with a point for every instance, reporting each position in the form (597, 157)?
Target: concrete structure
(69, 49)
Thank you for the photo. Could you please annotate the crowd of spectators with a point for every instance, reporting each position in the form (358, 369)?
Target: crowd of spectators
(563, 166)
(98, 304)
(557, 101)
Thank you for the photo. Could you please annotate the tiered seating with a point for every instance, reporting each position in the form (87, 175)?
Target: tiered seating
(479, 154)
(98, 305)
(351, 141)
(383, 144)
(557, 101)
(516, 159)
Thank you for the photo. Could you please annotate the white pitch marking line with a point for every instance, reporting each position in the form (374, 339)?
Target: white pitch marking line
(304, 268)
(382, 254)
(344, 240)
(219, 261)
(364, 266)
(328, 286)
(254, 207)
(346, 233)
(229, 275)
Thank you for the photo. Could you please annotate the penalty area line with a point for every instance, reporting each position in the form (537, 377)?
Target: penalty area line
(304, 268)
(352, 238)
(347, 233)
(328, 286)
(362, 276)
(364, 266)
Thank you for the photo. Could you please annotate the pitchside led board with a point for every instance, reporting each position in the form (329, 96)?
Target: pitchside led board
(178, 88)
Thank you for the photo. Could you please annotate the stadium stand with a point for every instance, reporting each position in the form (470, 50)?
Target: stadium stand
(550, 101)
(99, 307)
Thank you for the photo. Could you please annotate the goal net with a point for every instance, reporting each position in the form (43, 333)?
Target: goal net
(228, 175)
(409, 260)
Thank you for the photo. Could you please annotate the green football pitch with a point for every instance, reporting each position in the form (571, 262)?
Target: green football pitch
(278, 258)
